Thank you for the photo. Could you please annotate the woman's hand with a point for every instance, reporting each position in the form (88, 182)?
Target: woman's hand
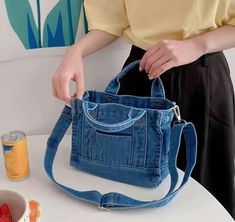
(170, 53)
(70, 69)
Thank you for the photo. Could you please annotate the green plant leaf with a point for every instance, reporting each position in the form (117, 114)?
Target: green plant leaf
(22, 21)
(69, 10)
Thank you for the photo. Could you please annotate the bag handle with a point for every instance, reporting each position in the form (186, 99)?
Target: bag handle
(133, 115)
(157, 89)
(114, 200)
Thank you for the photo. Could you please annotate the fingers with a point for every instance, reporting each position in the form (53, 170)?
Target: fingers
(163, 68)
(79, 79)
(159, 58)
(60, 88)
(155, 58)
(148, 54)
(64, 91)
(54, 93)
(157, 64)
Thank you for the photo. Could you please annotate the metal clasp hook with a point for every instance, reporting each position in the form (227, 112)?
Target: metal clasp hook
(177, 114)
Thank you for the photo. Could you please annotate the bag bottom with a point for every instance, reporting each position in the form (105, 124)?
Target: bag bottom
(144, 177)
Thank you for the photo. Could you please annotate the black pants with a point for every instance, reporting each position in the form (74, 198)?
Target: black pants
(204, 92)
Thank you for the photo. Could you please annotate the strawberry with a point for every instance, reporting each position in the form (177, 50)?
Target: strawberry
(5, 219)
(5, 210)
(5, 215)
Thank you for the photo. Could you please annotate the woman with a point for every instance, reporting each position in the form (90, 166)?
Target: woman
(182, 43)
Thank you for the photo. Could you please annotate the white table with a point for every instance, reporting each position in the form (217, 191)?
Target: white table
(192, 204)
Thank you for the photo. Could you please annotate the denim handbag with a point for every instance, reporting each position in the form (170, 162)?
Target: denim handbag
(124, 138)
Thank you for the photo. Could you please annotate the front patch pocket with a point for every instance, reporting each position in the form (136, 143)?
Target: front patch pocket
(113, 148)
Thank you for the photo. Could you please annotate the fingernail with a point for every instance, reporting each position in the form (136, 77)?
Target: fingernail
(140, 69)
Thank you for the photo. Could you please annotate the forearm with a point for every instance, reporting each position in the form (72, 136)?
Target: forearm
(71, 67)
(216, 40)
(93, 41)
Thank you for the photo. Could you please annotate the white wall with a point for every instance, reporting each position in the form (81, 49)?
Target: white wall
(230, 55)
(25, 87)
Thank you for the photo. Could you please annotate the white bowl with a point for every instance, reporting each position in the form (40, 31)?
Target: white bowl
(17, 203)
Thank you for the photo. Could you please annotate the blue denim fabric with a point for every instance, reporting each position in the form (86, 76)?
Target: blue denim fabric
(124, 138)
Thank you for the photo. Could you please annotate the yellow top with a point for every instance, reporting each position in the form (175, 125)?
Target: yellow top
(144, 23)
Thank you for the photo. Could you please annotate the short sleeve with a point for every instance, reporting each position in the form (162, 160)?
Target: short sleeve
(106, 15)
(230, 20)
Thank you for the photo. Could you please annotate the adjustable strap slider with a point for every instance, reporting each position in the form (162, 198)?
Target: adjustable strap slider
(103, 208)
(107, 201)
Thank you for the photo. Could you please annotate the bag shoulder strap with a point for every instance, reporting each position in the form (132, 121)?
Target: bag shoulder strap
(114, 200)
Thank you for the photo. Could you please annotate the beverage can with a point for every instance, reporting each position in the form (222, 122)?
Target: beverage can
(15, 153)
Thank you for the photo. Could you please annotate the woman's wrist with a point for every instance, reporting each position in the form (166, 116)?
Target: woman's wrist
(76, 49)
(73, 53)
(216, 40)
(199, 44)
